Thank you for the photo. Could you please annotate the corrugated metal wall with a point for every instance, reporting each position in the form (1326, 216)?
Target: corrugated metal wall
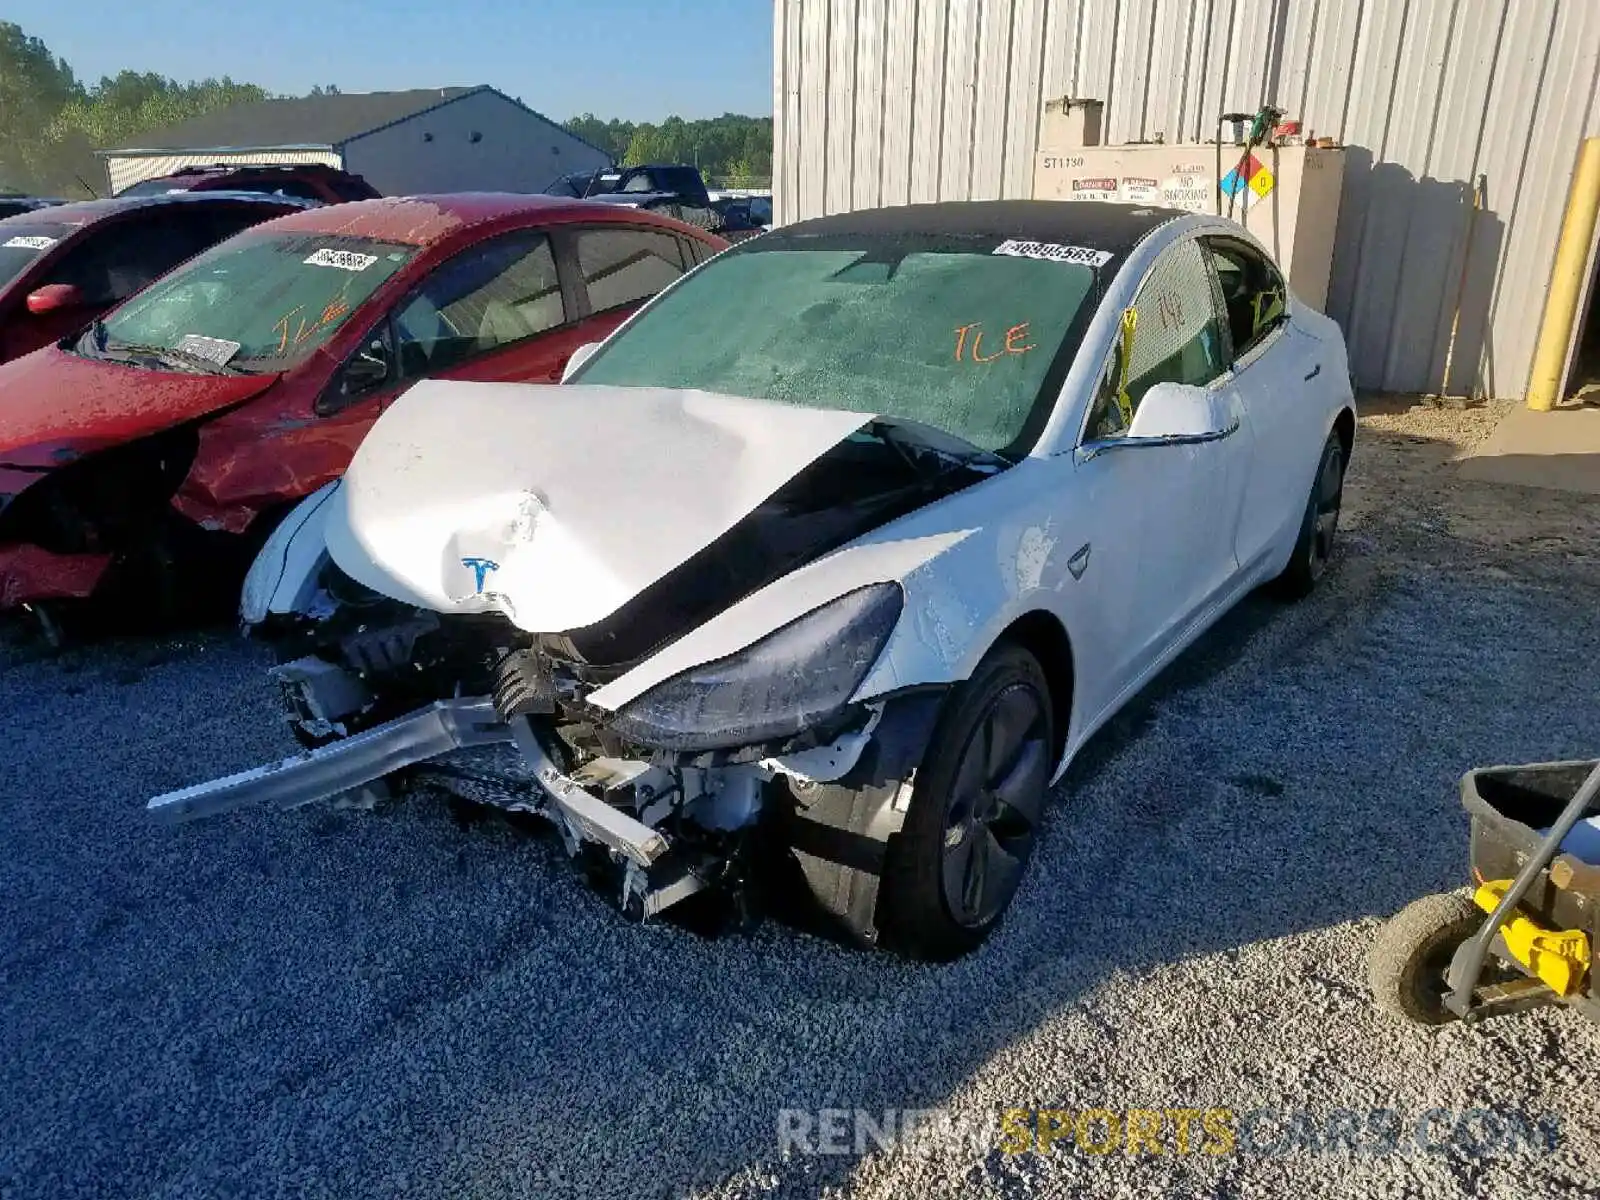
(125, 170)
(899, 101)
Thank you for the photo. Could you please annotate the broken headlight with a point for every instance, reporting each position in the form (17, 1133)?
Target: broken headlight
(773, 688)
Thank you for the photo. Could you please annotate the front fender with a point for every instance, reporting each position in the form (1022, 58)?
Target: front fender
(970, 566)
(283, 577)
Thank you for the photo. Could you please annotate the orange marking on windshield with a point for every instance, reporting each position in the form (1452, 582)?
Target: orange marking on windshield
(282, 326)
(977, 350)
(961, 339)
(1014, 342)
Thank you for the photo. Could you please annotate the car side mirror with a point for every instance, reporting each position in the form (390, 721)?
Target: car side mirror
(56, 297)
(1181, 412)
(579, 356)
(368, 369)
(1170, 414)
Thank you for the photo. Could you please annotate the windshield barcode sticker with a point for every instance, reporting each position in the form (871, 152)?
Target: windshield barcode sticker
(216, 350)
(1055, 252)
(31, 243)
(347, 260)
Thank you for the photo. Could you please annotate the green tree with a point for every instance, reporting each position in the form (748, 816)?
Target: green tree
(612, 136)
(722, 147)
(34, 84)
(117, 110)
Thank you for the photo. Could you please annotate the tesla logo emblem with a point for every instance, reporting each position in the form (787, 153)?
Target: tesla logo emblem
(1079, 562)
(480, 568)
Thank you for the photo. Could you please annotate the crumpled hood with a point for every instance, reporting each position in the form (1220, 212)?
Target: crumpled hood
(56, 406)
(556, 505)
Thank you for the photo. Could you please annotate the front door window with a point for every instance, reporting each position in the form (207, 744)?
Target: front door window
(490, 296)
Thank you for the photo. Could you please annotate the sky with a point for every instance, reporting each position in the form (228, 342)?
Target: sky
(640, 60)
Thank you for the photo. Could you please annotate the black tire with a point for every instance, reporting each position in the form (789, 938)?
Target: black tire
(1407, 964)
(977, 801)
(1318, 524)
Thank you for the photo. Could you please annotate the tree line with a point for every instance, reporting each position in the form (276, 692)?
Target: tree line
(51, 123)
(727, 148)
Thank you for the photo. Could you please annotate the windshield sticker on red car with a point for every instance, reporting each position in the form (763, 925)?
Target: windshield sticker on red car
(30, 243)
(216, 350)
(347, 260)
(1055, 252)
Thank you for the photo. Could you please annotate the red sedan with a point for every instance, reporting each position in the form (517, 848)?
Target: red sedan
(62, 266)
(143, 459)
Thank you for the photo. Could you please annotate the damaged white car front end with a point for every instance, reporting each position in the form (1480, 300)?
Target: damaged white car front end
(825, 565)
(640, 697)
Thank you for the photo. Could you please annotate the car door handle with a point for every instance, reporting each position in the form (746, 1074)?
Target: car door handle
(1314, 372)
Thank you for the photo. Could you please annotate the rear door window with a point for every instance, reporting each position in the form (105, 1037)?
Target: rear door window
(1253, 293)
(625, 266)
(219, 224)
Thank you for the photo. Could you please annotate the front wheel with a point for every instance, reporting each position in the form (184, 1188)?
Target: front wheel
(1410, 958)
(1319, 522)
(974, 815)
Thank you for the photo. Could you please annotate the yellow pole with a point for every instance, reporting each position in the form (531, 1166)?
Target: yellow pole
(1566, 280)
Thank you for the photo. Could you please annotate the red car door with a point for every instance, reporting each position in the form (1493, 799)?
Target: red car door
(509, 309)
(115, 258)
(498, 312)
(539, 359)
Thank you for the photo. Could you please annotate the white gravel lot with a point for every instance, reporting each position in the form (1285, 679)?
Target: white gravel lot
(330, 1003)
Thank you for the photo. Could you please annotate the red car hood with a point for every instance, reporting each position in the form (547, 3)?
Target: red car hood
(56, 406)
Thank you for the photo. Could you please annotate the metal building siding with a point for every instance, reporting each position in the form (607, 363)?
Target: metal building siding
(125, 170)
(896, 101)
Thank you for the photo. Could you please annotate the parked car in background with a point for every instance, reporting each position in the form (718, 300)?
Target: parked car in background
(305, 181)
(744, 214)
(11, 204)
(141, 460)
(678, 180)
(675, 190)
(62, 266)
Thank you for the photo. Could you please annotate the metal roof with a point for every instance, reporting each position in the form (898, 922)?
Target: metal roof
(303, 122)
(1114, 227)
(423, 220)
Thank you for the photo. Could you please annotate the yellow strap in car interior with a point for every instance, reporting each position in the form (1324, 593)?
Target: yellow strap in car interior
(1130, 318)
(1559, 957)
(1266, 306)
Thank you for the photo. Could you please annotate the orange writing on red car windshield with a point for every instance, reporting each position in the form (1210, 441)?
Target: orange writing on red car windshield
(1015, 342)
(335, 311)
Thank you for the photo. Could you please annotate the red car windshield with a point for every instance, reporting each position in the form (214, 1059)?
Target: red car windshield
(257, 302)
(23, 241)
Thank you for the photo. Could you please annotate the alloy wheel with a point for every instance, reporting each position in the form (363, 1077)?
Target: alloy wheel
(995, 806)
(1326, 500)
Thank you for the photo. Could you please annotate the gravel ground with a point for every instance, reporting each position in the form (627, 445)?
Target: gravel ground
(389, 1004)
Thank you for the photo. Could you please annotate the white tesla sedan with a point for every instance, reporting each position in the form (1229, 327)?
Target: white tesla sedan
(820, 570)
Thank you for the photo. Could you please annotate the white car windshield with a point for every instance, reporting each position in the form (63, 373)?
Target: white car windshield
(264, 301)
(940, 330)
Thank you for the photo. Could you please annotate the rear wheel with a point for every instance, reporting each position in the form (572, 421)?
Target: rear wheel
(1313, 549)
(974, 815)
(1410, 959)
